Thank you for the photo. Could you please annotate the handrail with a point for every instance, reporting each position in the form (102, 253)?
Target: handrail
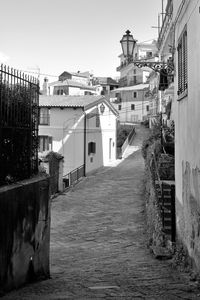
(68, 178)
(128, 140)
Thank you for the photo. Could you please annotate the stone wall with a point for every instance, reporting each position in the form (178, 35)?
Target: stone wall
(24, 232)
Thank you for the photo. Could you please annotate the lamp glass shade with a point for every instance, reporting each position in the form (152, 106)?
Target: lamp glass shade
(128, 44)
(102, 108)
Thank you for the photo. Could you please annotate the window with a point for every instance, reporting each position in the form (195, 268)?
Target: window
(149, 54)
(134, 79)
(119, 107)
(91, 148)
(135, 94)
(44, 116)
(45, 143)
(134, 71)
(132, 106)
(182, 65)
(147, 107)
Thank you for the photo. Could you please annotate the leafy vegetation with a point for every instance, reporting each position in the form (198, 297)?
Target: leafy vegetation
(122, 133)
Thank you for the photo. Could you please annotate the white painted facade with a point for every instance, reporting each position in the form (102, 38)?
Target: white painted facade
(131, 103)
(70, 137)
(187, 125)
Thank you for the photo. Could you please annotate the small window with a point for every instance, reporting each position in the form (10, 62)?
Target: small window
(132, 106)
(44, 116)
(134, 79)
(91, 148)
(147, 107)
(135, 94)
(45, 143)
(149, 54)
(119, 107)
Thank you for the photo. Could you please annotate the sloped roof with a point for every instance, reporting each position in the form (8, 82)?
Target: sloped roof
(84, 102)
(137, 87)
(72, 83)
(107, 80)
(79, 74)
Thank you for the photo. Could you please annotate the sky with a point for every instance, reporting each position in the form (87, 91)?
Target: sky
(72, 35)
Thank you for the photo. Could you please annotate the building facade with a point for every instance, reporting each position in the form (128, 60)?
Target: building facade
(179, 39)
(70, 84)
(187, 123)
(82, 129)
(131, 103)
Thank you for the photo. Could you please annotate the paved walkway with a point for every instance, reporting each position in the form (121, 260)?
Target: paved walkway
(98, 242)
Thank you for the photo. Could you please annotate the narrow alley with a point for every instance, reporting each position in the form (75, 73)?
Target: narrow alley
(98, 242)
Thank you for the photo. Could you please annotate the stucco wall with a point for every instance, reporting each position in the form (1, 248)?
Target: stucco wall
(67, 131)
(66, 128)
(105, 138)
(136, 115)
(187, 143)
(24, 232)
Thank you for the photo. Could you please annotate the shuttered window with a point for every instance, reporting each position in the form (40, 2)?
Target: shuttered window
(182, 65)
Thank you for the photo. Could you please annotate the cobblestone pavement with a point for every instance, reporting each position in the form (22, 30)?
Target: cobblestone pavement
(98, 242)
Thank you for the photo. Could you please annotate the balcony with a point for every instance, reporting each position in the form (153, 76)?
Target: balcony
(166, 23)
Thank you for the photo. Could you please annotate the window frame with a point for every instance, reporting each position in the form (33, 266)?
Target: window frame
(132, 106)
(44, 118)
(182, 61)
(49, 142)
(91, 148)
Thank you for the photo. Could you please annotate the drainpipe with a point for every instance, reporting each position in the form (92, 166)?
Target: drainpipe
(84, 145)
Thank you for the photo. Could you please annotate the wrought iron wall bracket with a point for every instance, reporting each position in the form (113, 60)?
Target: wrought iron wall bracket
(168, 67)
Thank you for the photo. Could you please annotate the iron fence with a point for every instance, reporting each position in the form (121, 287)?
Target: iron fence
(19, 97)
(73, 176)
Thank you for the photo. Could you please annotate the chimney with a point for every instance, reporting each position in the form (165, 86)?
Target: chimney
(45, 86)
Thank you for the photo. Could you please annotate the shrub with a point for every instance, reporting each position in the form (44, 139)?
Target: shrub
(122, 134)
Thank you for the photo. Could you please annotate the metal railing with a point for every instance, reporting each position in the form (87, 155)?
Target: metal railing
(73, 176)
(128, 140)
(19, 97)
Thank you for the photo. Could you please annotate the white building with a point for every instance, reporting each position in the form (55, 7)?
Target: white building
(186, 19)
(131, 103)
(81, 128)
(69, 83)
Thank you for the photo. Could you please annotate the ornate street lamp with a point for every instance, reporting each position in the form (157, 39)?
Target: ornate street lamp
(128, 44)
